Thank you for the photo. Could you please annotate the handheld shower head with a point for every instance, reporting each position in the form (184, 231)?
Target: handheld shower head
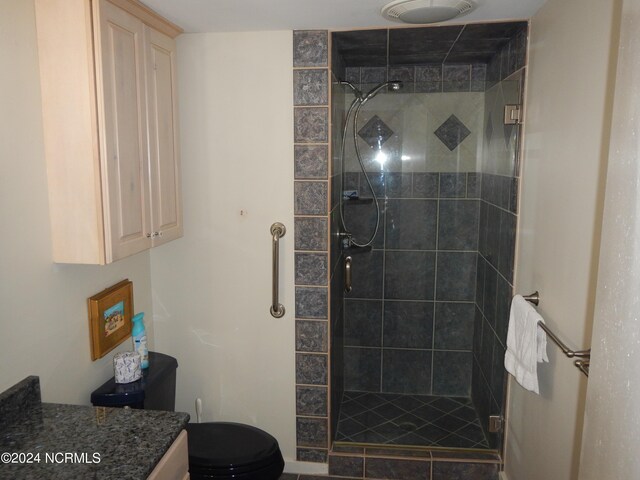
(355, 107)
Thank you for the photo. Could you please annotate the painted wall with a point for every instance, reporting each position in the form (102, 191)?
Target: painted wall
(566, 142)
(612, 417)
(43, 325)
(212, 288)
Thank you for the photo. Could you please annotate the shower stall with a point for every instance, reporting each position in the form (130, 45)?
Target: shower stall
(423, 221)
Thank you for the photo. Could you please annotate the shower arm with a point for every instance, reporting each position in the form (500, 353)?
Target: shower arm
(355, 89)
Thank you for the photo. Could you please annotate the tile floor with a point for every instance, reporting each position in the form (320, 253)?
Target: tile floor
(422, 420)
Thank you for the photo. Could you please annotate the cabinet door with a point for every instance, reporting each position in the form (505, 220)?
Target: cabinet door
(164, 168)
(174, 465)
(122, 111)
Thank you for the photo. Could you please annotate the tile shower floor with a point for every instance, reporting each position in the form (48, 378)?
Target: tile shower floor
(420, 420)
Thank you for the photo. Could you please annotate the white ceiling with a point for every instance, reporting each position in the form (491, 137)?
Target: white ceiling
(247, 15)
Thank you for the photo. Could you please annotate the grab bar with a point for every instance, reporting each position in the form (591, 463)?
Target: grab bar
(277, 232)
(347, 274)
(582, 365)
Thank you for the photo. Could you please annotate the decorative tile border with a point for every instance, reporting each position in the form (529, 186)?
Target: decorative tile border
(311, 209)
(427, 78)
(422, 463)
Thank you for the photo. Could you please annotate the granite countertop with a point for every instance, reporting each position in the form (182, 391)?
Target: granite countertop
(128, 442)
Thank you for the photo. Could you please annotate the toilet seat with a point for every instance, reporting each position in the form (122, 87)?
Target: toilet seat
(222, 450)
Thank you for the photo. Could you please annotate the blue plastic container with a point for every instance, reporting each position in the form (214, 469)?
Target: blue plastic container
(140, 339)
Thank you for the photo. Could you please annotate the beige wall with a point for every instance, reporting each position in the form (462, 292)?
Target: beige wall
(43, 322)
(566, 141)
(612, 416)
(212, 288)
(238, 149)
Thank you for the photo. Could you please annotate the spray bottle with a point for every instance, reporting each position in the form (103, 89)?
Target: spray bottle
(140, 339)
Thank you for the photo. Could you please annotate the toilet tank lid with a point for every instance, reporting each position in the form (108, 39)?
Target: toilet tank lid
(112, 394)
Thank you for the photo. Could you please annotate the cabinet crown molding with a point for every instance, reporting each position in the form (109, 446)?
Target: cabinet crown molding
(148, 16)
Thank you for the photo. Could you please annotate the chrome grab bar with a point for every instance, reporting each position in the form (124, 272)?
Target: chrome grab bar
(582, 365)
(347, 274)
(277, 232)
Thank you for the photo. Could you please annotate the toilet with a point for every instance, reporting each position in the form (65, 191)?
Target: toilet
(217, 450)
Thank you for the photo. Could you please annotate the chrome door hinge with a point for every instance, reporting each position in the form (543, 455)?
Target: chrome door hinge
(512, 114)
(496, 423)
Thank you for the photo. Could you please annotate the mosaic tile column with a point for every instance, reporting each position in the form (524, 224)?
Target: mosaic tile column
(311, 197)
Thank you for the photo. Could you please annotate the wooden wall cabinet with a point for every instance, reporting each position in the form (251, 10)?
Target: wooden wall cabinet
(107, 71)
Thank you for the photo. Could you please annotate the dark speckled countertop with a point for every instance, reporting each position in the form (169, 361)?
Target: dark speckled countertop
(129, 442)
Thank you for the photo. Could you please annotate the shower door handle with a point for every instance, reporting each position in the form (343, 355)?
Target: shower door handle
(347, 274)
(277, 232)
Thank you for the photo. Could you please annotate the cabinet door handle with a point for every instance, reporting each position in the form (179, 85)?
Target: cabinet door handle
(277, 231)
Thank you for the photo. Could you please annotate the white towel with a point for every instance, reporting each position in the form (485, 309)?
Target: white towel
(526, 344)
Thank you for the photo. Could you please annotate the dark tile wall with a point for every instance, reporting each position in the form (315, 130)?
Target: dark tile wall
(427, 78)
(408, 322)
(441, 266)
(494, 290)
(454, 44)
(511, 57)
(496, 254)
(312, 267)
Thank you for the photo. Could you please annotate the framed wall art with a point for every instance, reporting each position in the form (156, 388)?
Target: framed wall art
(110, 313)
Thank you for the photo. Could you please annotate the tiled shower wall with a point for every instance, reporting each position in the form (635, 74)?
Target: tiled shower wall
(427, 78)
(311, 208)
(314, 211)
(450, 242)
(408, 323)
(409, 317)
(498, 222)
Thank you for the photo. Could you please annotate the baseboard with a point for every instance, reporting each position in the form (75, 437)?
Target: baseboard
(503, 476)
(307, 468)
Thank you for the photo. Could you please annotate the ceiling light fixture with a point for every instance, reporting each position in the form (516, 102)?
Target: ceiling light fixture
(426, 11)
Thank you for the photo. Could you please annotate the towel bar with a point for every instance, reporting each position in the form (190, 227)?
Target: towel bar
(584, 355)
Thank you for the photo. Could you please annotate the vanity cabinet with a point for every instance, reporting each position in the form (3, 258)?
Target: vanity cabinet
(107, 71)
(174, 465)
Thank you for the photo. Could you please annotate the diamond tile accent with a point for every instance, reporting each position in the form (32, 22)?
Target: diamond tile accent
(508, 131)
(452, 132)
(418, 420)
(375, 132)
(488, 132)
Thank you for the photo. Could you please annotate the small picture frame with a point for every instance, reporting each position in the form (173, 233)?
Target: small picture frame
(110, 313)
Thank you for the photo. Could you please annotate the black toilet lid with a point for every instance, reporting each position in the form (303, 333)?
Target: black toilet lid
(225, 445)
